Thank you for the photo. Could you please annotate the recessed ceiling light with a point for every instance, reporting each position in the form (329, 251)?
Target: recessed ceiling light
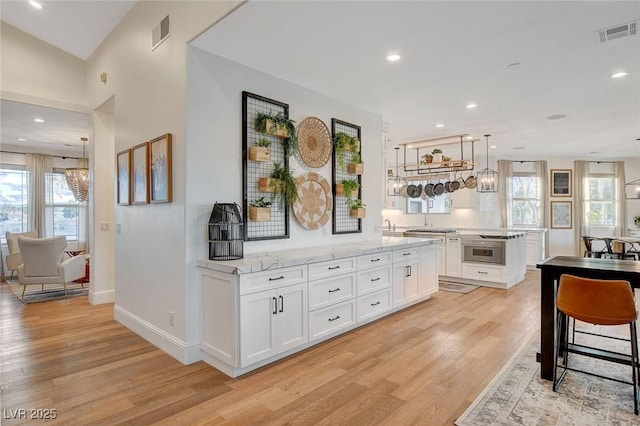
(556, 117)
(22, 140)
(471, 105)
(38, 120)
(619, 74)
(439, 125)
(35, 4)
(393, 57)
(593, 152)
(517, 148)
(492, 147)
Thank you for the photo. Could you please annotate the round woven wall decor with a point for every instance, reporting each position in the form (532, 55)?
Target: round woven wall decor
(314, 200)
(314, 142)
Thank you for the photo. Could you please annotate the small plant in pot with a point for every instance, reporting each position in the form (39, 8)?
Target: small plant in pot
(437, 155)
(342, 142)
(636, 220)
(427, 159)
(260, 210)
(446, 160)
(278, 125)
(356, 167)
(358, 210)
(260, 151)
(347, 188)
(281, 184)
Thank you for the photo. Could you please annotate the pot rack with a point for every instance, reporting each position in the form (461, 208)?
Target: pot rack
(442, 169)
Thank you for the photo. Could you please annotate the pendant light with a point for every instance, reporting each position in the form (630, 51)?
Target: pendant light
(78, 177)
(487, 178)
(394, 183)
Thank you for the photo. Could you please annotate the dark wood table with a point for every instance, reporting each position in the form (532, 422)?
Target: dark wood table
(586, 267)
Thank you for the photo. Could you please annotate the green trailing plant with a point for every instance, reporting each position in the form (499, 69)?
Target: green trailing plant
(283, 184)
(356, 158)
(279, 120)
(260, 202)
(446, 158)
(357, 204)
(436, 151)
(426, 159)
(264, 143)
(350, 186)
(343, 142)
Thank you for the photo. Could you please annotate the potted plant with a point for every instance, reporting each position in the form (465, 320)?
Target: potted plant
(437, 155)
(427, 159)
(260, 210)
(281, 184)
(636, 220)
(446, 160)
(278, 125)
(358, 210)
(356, 167)
(347, 188)
(342, 142)
(260, 151)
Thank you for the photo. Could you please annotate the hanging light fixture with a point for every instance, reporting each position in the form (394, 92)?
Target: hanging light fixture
(394, 183)
(78, 178)
(487, 178)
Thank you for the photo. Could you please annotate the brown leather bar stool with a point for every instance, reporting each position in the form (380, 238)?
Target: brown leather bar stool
(600, 302)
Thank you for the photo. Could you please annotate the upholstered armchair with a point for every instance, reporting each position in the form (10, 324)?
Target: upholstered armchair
(14, 259)
(42, 262)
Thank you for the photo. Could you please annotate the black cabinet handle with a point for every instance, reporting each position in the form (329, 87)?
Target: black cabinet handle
(482, 272)
(275, 306)
(331, 268)
(375, 260)
(333, 291)
(281, 277)
(406, 254)
(409, 270)
(333, 319)
(281, 303)
(406, 271)
(377, 303)
(375, 279)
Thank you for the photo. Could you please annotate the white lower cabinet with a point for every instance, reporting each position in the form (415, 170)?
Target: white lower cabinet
(374, 304)
(332, 319)
(272, 322)
(453, 255)
(405, 281)
(428, 278)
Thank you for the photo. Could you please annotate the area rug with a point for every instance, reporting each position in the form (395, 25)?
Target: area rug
(518, 396)
(456, 287)
(35, 294)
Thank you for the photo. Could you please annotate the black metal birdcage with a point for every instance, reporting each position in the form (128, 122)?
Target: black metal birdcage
(226, 232)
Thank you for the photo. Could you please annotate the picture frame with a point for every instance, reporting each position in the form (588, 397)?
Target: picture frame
(161, 170)
(561, 215)
(561, 183)
(140, 174)
(123, 172)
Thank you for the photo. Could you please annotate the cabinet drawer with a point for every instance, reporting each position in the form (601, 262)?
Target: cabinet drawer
(331, 319)
(373, 304)
(251, 283)
(331, 290)
(406, 254)
(371, 280)
(332, 268)
(374, 260)
(483, 273)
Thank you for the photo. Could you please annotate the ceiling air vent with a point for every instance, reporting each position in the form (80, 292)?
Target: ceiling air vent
(160, 33)
(619, 31)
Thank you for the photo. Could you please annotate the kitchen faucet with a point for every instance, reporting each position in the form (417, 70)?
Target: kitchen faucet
(389, 224)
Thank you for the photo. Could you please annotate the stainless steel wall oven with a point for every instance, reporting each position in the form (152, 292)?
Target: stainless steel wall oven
(483, 250)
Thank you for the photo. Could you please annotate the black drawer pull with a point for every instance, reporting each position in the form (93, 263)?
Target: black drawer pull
(281, 277)
(331, 268)
(406, 254)
(333, 319)
(375, 260)
(333, 291)
(375, 279)
(377, 303)
(482, 272)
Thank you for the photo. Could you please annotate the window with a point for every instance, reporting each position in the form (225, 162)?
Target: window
(14, 184)
(61, 209)
(525, 199)
(600, 202)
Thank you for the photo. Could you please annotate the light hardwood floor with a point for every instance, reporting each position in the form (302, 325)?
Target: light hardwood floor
(424, 365)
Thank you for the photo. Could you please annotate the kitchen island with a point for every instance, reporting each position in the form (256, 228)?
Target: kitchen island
(267, 306)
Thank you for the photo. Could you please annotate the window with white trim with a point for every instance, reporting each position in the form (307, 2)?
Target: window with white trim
(14, 196)
(600, 201)
(526, 200)
(61, 208)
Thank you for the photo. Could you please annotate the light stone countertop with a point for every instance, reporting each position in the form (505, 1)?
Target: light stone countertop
(258, 262)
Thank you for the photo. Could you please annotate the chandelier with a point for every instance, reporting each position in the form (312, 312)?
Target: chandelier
(78, 178)
(394, 183)
(487, 178)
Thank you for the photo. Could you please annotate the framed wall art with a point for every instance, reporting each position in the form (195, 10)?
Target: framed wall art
(123, 165)
(160, 178)
(561, 215)
(561, 183)
(140, 174)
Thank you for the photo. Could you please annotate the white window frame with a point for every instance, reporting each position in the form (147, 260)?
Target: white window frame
(513, 200)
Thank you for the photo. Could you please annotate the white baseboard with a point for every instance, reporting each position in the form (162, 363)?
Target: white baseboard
(185, 352)
(100, 297)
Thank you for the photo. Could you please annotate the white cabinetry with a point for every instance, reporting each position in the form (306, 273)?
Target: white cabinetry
(442, 255)
(453, 254)
(428, 278)
(406, 269)
(535, 248)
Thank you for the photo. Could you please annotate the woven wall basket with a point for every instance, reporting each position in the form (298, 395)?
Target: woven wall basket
(314, 142)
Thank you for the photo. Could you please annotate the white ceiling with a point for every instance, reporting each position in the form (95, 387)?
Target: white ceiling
(452, 53)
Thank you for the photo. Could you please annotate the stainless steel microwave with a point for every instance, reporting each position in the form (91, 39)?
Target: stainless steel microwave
(483, 251)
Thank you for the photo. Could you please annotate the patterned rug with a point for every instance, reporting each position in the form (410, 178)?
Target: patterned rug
(518, 396)
(35, 294)
(456, 287)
